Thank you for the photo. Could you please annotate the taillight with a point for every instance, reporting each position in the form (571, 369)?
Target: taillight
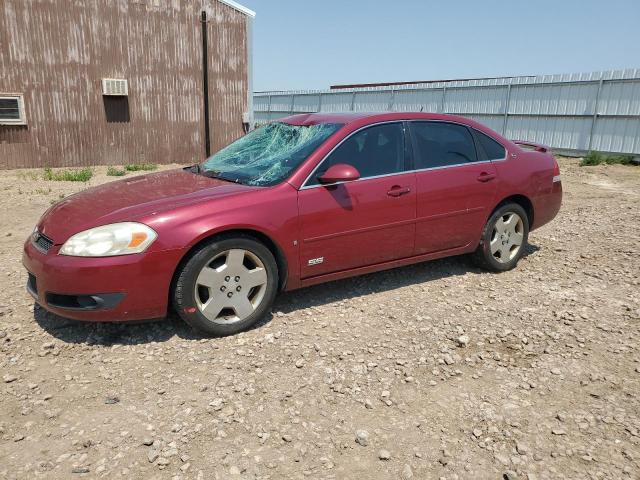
(556, 171)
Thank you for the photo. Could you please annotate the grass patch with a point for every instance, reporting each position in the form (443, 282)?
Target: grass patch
(116, 172)
(597, 158)
(136, 167)
(82, 175)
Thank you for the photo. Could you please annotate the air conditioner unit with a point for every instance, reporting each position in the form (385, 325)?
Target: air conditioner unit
(115, 87)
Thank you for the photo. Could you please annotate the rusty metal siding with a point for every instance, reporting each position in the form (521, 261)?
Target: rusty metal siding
(56, 52)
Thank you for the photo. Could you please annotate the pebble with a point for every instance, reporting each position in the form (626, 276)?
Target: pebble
(362, 437)
(384, 455)
(522, 448)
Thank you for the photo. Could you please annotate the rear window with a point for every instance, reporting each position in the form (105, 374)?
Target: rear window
(492, 149)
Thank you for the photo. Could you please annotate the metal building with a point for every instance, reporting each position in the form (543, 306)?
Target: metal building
(121, 81)
(574, 113)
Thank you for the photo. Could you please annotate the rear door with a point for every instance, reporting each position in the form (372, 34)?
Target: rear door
(364, 222)
(455, 186)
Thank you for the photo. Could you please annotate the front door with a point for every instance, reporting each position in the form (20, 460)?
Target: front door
(364, 222)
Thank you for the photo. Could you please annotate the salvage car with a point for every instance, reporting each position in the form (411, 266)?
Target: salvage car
(305, 200)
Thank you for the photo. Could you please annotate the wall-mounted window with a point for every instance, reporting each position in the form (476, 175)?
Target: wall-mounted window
(12, 110)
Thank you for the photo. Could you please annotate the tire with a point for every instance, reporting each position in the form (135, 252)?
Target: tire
(225, 274)
(498, 250)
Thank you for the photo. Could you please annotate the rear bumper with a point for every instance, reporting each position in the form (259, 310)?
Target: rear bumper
(547, 205)
(111, 289)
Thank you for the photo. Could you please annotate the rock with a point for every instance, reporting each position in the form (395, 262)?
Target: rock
(384, 455)
(407, 473)
(300, 363)
(462, 341)
(152, 455)
(287, 438)
(111, 400)
(522, 448)
(477, 432)
(80, 470)
(362, 437)
(556, 371)
(558, 431)
(9, 378)
(510, 475)
(233, 470)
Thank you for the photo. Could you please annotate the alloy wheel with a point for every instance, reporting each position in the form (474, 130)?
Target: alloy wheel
(507, 237)
(231, 286)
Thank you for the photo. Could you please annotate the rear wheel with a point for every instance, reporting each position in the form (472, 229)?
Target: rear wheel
(504, 239)
(226, 286)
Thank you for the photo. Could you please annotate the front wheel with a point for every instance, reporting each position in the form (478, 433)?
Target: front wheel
(226, 286)
(504, 239)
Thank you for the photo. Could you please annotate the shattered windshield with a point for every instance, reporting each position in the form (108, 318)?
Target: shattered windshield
(268, 155)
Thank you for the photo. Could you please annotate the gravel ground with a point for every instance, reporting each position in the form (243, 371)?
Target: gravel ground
(437, 370)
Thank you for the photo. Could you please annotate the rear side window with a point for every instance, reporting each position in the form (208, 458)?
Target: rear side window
(377, 150)
(441, 144)
(492, 149)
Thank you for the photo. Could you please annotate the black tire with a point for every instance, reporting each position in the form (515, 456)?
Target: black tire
(483, 257)
(184, 291)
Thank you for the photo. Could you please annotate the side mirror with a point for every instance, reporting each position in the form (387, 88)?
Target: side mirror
(341, 172)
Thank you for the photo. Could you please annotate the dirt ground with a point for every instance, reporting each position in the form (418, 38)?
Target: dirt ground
(437, 370)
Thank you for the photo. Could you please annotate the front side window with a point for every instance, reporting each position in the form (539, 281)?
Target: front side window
(374, 151)
(441, 144)
(268, 155)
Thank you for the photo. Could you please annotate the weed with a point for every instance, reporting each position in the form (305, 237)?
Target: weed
(597, 158)
(82, 175)
(116, 172)
(136, 167)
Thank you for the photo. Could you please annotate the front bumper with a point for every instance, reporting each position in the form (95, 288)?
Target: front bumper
(109, 289)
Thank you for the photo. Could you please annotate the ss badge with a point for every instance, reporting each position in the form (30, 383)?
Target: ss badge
(316, 261)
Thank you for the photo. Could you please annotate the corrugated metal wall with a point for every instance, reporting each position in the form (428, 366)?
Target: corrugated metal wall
(577, 112)
(56, 52)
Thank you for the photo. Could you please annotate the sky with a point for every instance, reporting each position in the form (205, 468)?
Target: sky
(313, 44)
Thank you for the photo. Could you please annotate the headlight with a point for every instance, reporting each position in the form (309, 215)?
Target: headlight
(110, 240)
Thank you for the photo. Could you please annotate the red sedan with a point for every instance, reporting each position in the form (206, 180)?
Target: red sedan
(305, 200)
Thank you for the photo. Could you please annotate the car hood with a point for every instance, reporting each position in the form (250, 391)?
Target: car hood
(130, 199)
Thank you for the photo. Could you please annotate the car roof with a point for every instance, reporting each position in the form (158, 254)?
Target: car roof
(363, 118)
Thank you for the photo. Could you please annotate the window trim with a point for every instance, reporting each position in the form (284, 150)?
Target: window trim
(411, 160)
(21, 110)
(403, 124)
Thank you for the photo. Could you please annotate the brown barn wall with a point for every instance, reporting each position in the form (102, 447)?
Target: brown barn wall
(56, 53)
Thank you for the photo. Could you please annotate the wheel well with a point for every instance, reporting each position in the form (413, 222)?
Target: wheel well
(281, 260)
(521, 200)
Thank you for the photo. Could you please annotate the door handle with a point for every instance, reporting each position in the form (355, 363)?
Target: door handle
(486, 177)
(397, 191)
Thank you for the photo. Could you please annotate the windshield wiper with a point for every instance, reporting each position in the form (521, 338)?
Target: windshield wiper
(218, 175)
